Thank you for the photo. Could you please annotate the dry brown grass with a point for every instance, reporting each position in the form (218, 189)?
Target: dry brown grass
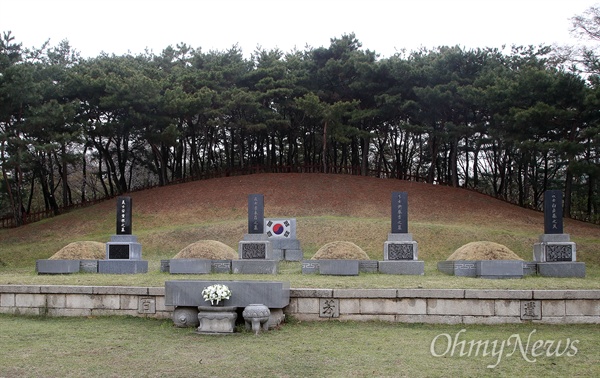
(340, 250)
(483, 250)
(207, 249)
(81, 250)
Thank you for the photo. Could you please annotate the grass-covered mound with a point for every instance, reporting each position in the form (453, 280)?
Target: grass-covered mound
(340, 250)
(81, 250)
(483, 250)
(207, 249)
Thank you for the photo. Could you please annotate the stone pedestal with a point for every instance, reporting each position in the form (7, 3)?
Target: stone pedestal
(400, 255)
(254, 247)
(556, 256)
(495, 269)
(216, 319)
(123, 247)
(554, 248)
(256, 317)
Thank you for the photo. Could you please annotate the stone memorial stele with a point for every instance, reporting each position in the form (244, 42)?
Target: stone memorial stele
(123, 252)
(555, 253)
(281, 232)
(255, 250)
(400, 251)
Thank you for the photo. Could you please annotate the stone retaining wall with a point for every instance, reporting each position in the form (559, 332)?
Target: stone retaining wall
(445, 306)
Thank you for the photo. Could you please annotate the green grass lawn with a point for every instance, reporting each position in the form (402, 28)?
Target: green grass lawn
(135, 347)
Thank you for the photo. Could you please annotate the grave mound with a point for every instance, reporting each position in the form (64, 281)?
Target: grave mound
(340, 250)
(208, 250)
(483, 250)
(81, 250)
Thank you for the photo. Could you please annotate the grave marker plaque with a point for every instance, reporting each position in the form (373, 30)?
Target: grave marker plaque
(553, 212)
(399, 212)
(256, 214)
(124, 216)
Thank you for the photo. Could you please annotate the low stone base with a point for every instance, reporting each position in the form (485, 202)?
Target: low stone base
(562, 269)
(494, 269)
(368, 266)
(498, 269)
(254, 266)
(407, 267)
(190, 266)
(293, 255)
(339, 267)
(57, 266)
(216, 320)
(122, 266)
(88, 266)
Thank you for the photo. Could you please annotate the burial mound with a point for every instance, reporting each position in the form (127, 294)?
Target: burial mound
(81, 250)
(207, 249)
(483, 250)
(340, 250)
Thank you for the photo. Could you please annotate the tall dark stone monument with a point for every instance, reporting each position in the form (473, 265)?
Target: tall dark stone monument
(553, 212)
(255, 250)
(399, 213)
(123, 252)
(555, 253)
(256, 214)
(124, 216)
(400, 251)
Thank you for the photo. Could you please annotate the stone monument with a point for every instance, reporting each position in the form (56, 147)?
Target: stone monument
(255, 250)
(282, 235)
(123, 252)
(555, 253)
(400, 251)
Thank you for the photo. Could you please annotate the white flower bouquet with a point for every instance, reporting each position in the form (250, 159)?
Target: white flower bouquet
(216, 293)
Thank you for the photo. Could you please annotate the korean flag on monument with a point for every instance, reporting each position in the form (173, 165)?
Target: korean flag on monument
(277, 228)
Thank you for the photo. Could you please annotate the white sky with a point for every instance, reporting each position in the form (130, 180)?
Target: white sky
(386, 26)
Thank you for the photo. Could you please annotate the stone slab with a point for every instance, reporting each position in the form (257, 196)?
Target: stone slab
(254, 266)
(562, 269)
(395, 237)
(57, 266)
(408, 267)
(498, 269)
(123, 239)
(368, 266)
(408, 250)
(187, 293)
(164, 266)
(285, 243)
(123, 251)
(255, 237)
(554, 251)
(293, 255)
(255, 250)
(310, 266)
(339, 267)
(88, 266)
(529, 268)
(221, 266)
(122, 266)
(462, 268)
(190, 266)
(553, 238)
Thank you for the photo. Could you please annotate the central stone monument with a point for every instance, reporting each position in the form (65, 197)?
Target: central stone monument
(123, 252)
(400, 251)
(255, 250)
(555, 253)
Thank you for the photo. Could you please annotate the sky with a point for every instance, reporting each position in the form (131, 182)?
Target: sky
(384, 26)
